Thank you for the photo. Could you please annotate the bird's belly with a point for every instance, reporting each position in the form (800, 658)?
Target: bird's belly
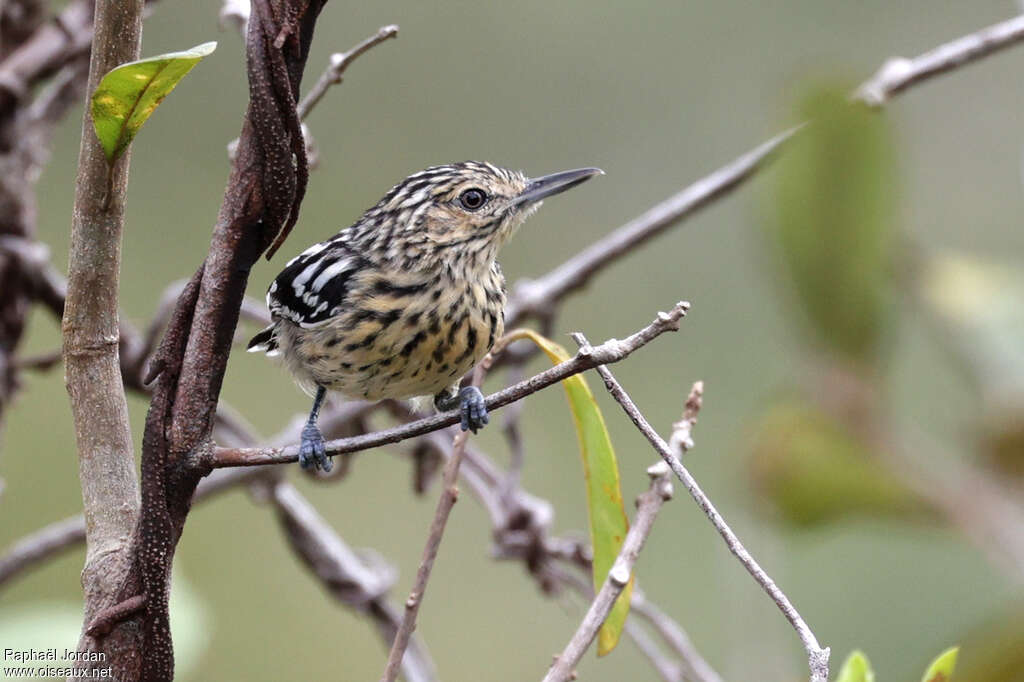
(421, 353)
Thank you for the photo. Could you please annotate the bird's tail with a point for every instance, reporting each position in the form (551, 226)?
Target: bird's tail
(264, 342)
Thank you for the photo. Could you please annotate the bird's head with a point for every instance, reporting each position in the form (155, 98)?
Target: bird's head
(461, 213)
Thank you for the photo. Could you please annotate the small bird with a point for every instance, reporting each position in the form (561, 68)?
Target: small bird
(405, 301)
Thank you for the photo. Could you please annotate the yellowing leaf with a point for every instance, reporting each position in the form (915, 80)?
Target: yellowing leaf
(608, 521)
(941, 669)
(127, 95)
(856, 668)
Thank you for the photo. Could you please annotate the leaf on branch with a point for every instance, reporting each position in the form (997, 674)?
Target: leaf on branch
(856, 668)
(941, 669)
(608, 521)
(129, 94)
(834, 222)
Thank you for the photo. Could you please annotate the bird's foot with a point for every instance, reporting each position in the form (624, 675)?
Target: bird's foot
(473, 409)
(312, 451)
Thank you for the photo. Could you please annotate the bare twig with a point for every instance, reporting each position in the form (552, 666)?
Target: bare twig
(648, 505)
(536, 297)
(336, 69)
(539, 297)
(681, 440)
(346, 576)
(611, 351)
(817, 656)
(899, 73)
(669, 630)
(449, 495)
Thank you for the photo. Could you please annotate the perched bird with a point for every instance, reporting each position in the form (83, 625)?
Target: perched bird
(409, 298)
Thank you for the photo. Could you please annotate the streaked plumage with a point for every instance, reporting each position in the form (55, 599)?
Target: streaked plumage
(409, 298)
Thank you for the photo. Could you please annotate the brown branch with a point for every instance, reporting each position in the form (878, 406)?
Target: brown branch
(697, 669)
(648, 505)
(345, 576)
(25, 139)
(817, 656)
(340, 61)
(899, 73)
(91, 333)
(51, 46)
(41, 546)
(260, 205)
(449, 495)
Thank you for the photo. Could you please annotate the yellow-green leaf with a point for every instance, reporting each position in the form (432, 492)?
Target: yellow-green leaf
(941, 669)
(856, 668)
(128, 94)
(608, 521)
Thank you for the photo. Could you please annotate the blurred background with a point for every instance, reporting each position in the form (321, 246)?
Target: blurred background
(858, 304)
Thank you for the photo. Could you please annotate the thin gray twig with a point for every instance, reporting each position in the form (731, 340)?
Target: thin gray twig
(340, 61)
(816, 655)
(899, 73)
(648, 505)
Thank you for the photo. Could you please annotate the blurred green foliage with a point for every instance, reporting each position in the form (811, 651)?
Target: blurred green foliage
(814, 469)
(856, 668)
(834, 198)
(658, 94)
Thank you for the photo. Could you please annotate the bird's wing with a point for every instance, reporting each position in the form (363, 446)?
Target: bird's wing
(313, 286)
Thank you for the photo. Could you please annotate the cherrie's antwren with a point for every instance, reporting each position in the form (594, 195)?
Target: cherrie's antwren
(409, 298)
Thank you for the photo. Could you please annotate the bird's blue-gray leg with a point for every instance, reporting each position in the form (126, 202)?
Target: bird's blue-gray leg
(470, 402)
(312, 452)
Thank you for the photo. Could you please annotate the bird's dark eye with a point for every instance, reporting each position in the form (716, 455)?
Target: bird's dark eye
(472, 199)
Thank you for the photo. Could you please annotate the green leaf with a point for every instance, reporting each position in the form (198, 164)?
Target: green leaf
(941, 669)
(856, 668)
(834, 222)
(608, 521)
(127, 95)
(814, 469)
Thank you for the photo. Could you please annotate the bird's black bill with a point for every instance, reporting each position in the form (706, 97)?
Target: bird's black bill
(546, 185)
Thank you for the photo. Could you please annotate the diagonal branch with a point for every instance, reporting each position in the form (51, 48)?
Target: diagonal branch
(817, 657)
(611, 351)
(340, 61)
(449, 495)
(540, 297)
(345, 575)
(648, 505)
(899, 73)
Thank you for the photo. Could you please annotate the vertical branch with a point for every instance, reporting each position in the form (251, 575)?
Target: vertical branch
(90, 326)
(449, 495)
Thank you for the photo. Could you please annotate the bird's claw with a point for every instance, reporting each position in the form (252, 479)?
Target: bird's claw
(473, 409)
(312, 451)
